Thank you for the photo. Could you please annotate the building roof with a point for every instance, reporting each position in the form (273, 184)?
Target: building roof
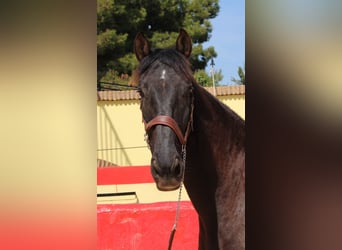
(133, 95)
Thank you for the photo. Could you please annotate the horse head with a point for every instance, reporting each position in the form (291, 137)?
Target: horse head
(165, 86)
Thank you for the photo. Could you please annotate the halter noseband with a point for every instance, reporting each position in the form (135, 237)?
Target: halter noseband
(171, 123)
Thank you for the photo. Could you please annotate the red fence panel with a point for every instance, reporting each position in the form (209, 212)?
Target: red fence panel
(146, 226)
(124, 175)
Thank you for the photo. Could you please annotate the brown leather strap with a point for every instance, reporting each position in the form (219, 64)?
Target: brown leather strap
(171, 123)
(167, 121)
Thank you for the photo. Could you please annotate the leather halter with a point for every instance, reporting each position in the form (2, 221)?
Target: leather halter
(171, 123)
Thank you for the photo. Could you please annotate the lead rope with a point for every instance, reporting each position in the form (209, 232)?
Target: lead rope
(173, 231)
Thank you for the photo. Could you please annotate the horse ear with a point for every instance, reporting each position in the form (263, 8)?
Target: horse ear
(141, 46)
(183, 43)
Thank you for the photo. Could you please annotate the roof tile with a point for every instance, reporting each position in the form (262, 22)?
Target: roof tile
(110, 95)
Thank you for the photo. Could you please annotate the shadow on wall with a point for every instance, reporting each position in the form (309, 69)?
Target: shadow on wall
(110, 146)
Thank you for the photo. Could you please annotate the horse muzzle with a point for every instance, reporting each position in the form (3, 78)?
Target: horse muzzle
(167, 177)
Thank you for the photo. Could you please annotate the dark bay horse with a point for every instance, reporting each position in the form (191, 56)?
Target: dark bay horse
(181, 117)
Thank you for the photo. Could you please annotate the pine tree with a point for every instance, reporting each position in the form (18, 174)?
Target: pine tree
(241, 73)
(118, 21)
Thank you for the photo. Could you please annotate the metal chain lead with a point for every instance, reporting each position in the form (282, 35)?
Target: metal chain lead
(179, 200)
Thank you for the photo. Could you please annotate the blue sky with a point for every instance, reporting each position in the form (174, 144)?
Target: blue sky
(228, 38)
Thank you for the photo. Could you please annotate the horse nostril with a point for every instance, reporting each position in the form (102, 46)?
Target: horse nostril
(176, 167)
(155, 166)
(175, 170)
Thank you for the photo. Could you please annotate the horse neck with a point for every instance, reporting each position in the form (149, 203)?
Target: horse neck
(213, 117)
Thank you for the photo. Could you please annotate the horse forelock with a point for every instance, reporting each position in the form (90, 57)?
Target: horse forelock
(170, 57)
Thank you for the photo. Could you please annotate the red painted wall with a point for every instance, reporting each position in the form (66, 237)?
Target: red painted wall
(146, 226)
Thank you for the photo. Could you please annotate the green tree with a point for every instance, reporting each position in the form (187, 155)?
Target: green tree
(241, 73)
(206, 80)
(118, 21)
